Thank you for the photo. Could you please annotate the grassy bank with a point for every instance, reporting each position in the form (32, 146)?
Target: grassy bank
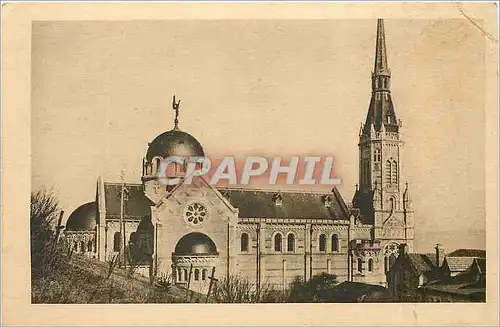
(83, 280)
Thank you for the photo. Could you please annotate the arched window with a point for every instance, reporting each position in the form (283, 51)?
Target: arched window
(322, 243)
(117, 241)
(390, 255)
(335, 243)
(394, 172)
(196, 274)
(89, 246)
(278, 240)
(370, 265)
(291, 243)
(204, 274)
(75, 246)
(388, 171)
(179, 275)
(244, 242)
(82, 246)
(360, 265)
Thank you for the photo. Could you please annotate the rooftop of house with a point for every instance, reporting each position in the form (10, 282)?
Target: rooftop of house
(461, 259)
(422, 263)
(458, 264)
(476, 271)
(471, 253)
(456, 286)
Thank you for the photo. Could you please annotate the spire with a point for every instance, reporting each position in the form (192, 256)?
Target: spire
(381, 114)
(380, 52)
(175, 107)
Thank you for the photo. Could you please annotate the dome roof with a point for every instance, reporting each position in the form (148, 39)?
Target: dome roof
(83, 218)
(174, 143)
(195, 243)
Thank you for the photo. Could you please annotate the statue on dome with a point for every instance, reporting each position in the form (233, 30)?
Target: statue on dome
(175, 106)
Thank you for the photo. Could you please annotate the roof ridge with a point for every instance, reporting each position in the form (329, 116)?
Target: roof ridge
(422, 253)
(273, 190)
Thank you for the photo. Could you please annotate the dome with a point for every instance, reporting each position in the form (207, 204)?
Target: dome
(195, 243)
(83, 218)
(174, 143)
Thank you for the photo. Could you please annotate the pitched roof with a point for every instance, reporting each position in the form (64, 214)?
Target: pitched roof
(432, 258)
(253, 203)
(461, 259)
(473, 273)
(451, 287)
(458, 264)
(421, 262)
(136, 205)
(474, 253)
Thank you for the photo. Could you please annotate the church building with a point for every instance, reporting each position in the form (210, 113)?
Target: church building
(194, 231)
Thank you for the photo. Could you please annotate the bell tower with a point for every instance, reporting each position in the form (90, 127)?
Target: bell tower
(381, 197)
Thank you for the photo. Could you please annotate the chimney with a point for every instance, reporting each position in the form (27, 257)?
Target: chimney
(439, 255)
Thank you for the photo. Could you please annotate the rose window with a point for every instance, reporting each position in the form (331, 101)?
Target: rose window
(195, 214)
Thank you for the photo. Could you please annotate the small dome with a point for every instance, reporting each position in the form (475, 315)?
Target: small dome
(83, 218)
(174, 143)
(195, 243)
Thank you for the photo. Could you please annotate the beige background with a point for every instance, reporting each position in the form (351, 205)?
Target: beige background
(444, 75)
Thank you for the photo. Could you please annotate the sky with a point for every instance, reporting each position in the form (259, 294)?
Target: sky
(102, 90)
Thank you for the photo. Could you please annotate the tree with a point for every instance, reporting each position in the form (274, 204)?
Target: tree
(44, 211)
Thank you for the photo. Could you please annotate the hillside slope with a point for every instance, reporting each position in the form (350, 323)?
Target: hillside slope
(89, 281)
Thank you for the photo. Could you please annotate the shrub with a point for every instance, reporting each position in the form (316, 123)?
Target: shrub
(163, 283)
(317, 289)
(48, 254)
(236, 289)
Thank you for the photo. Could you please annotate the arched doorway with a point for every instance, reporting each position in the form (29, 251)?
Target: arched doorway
(192, 262)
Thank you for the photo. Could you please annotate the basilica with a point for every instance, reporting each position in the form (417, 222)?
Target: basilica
(196, 232)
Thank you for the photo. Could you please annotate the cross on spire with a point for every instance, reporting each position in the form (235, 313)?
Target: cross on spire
(175, 107)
